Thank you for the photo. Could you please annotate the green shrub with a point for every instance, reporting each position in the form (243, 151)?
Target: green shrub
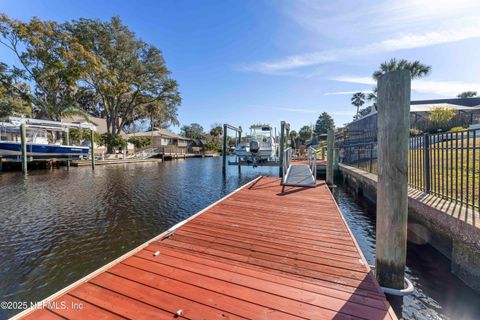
(77, 136)
(113, 141)
(455, 129)
(415, 132)
(140, 142)
(440, 117)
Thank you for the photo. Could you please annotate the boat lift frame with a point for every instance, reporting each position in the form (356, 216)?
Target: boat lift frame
(25, 123)
(225, 130)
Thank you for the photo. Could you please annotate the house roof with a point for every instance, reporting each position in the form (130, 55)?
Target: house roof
(467, 102)
(199, 142)
(158, 133)
(99, 123)
(427, 105)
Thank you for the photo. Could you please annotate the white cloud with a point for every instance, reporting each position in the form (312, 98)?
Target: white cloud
(442, 88)
(365, 27)
(409, 41)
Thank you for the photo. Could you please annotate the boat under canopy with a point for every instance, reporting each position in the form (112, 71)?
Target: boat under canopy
(40, 144)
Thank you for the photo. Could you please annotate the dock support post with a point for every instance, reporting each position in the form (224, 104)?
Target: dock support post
(330, 159)
(23, 137)
(67, 141)
(92, 148)
(392, 197)
(224, 165)
(239, 141)
(282, 148)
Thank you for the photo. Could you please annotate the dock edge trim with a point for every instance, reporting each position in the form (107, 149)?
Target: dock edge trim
(128, 254)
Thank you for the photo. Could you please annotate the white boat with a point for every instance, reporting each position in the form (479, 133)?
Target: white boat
(37, 144)
(258, 146)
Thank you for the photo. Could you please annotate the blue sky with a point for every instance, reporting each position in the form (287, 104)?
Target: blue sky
(265, 61)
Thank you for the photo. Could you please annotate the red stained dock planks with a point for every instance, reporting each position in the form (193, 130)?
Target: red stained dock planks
(263, 252)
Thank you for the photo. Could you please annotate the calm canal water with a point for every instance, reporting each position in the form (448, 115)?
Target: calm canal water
(59, 225)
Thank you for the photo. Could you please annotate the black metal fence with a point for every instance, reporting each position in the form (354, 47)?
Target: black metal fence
(445, 164)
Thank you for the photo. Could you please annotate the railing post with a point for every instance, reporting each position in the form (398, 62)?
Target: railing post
(282, 148)
(224, 162)
(330, 157)
(426, 161)
(23, 138)
(392, 191)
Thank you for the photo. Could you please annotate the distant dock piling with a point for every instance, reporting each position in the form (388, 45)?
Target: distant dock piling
(392, 192)
(92, 148)
(330, 156)
(23, 138)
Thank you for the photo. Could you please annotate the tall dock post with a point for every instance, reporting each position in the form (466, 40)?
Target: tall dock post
(224, 163)
(67, 141)
(392, 199)
(239, 141)
(330, 157)
(282, 148)
(23, 137)
(92, 148)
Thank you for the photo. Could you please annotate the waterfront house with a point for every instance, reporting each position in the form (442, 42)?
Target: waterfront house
(101, 128)
(467, 113)
(197, 145)
(165, 139)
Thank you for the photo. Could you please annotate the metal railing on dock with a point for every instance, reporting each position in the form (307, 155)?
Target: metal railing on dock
(446, 164)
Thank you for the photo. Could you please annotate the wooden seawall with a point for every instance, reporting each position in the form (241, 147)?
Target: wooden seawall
(259, 253)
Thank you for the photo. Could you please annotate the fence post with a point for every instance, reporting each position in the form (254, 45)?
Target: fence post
(392, 190)
(282, 148)
(330, 157)
(426, 161)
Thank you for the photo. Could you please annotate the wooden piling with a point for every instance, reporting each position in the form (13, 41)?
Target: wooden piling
(67, 141)
(23, 137)
(92, 148)
(330, 157)
(239, 141)
(224, 162)
(392, 198)
(282, 148)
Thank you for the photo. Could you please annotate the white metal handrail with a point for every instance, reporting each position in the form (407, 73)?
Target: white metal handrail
(287, 157)
(312, 160)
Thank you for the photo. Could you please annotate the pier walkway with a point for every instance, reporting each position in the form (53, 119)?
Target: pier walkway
(259, 253)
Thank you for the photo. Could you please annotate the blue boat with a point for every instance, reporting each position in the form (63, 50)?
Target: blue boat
(13, 150)
(40, 134)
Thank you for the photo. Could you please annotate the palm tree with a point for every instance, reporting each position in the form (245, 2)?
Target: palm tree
(358, 99)
(416, 68)
(305, 133)
(467, 94)
(293, 138)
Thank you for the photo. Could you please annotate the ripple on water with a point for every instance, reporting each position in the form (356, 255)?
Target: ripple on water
(59, 225)
(438, 294)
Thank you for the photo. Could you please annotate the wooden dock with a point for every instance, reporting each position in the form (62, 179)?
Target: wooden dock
(259, 253)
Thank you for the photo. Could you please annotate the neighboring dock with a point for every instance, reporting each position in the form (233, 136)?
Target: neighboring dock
(262, 252)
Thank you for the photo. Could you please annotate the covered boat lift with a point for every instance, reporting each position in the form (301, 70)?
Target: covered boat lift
(9, 125)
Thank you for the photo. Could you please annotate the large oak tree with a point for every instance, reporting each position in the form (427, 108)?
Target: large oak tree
(130, 79)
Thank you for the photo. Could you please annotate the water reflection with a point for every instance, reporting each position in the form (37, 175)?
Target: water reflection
(60, 225)
(438, 294)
